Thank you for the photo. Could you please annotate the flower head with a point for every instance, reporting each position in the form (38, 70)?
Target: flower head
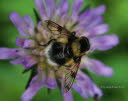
(31, 54)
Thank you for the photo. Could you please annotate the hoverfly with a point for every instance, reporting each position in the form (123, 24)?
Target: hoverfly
(65, 51)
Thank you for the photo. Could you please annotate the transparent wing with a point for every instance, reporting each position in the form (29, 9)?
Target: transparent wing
(70, 77)
(55, 28)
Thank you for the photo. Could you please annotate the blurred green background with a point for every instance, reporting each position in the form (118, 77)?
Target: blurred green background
(12, 81)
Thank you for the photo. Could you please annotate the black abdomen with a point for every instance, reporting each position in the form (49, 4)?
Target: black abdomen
(60, 52)
(56, 53)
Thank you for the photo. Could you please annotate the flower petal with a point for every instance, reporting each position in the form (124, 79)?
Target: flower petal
(94, 22)
(96, 93)
(89, 22)
(63, 7)
(17, 61)
(19, 23)
(30, 24)
(98, 68)
(62, 11)
(97, 30)
(36, 84)
(10, 53)
(51, 80)
(79, 90)
(29, 44)
(99, 10)
(85, 15)
(85, 87)
(29, 61)
(20, 42)
(77, 4)
(7, 53)
(90, 18)
(41, 8)
(51, 4)
(50, 7)
(25, 43)
(104, 42)
(68, 96)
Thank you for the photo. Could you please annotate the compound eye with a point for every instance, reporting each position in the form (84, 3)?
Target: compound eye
(84, 44)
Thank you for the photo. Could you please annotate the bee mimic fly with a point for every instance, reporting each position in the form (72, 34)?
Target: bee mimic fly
(65, 51)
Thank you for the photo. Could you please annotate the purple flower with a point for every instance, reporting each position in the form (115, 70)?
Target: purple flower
(31, 54)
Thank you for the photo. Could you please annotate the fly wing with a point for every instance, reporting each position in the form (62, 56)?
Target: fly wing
(70, 77)
(55, 28)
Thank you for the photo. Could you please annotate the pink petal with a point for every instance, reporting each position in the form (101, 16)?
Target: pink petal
(30, 24)
(41, 8)
(85, 87)
(98, 30)
(68, 96)
(99, 68)
(29, 61)
(51, 80)
(19, 23)
(10, 53)
(36, 84)
(25, 43)
(104, 42)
